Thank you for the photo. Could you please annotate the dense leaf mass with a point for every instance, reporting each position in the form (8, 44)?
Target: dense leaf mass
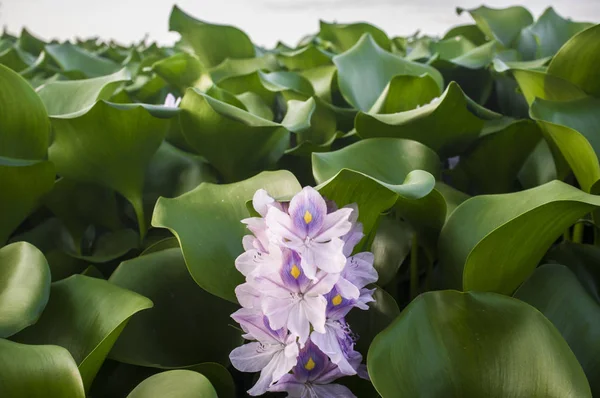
(473, 159)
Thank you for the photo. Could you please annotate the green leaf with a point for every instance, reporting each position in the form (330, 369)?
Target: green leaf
(211, 43)
(187, 322)
(25, 288)
(577, 61)
(503, 25)
(110, 147)
(551, 31)
(181, 70)
(213, 239)
(493, 162)
(539, 168)
(24, 126)
(86, 316)
(452, 47)
(555, 291)
(237, 143)
(307, 57)
(16, 59)
(345, 36)
(38, 371)
(323, 80)
(470, 32)
(237, 67)
(175, 384)
(375, 174)
(443, 338)
(314, 125)
(494, 242)
(65, 97)
(173, 172)
(405, 93)
(30, 43)
(448, 125)
(535, 84)
(76, 60)
(79, 205)
(572, 127)
(24, 183)
(366, 69)
(582, 260)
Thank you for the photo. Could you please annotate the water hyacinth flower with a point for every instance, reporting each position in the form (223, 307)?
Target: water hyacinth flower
(171, 101)
(301, 282)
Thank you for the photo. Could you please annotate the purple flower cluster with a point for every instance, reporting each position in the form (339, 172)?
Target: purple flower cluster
(301, 282)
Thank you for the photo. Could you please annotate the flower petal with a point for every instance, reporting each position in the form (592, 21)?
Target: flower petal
(332, 391)
(328, 343)
(278, 311)
(253, 357)
(335, 225)
(359, 270)
(314, 308)
(247, 296)
(347, 289)
(307, 211)
(324, 285)
(298, 322)
(255, 325)
(261, 202)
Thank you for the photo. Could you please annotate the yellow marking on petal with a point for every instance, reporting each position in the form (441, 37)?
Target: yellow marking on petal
(295, 271)
(337, 300)
(307, 217)
(310, 365)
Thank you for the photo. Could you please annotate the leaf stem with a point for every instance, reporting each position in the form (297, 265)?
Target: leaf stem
(414, 268)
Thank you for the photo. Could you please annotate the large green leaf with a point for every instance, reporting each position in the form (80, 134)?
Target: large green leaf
(492, 164)
(375, 174)
(307, 57)
(80, 62)
(25, 287)
(38, 371)
(243, 66)
(494, 242)
(182, 70)
(577, 61)
(86, 316)
(24, 125)
(555, 291)
(468, 31)
(475, 344)
(175, 384)
(313, 123)
(448, 125)
(582, 260)
(108, 146)
(536, 84)
(390, 247)
(80, 205)
(237, 143)
(186, 321)
(366, 69)
(405, 93)
(211, 43)
(344, 36)
(573, 127)
(503, 25)
(213, 238)
(64, 97)
(24, 183)
(550, 32)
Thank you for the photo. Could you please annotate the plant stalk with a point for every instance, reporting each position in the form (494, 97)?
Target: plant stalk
(578, 233)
